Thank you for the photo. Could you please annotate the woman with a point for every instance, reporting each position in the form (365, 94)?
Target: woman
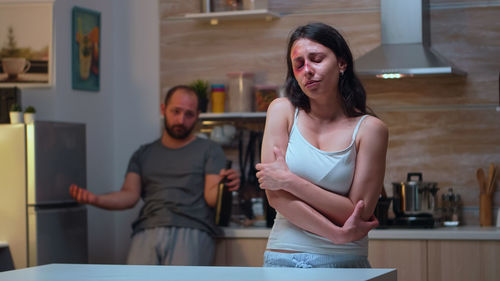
(323, 157)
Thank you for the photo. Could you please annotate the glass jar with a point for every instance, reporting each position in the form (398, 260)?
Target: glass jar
(254, 4)
(218, 97)
(225, 5)
(451, 206)
(239, 92)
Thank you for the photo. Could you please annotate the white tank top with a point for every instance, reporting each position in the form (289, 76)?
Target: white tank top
(330, 170)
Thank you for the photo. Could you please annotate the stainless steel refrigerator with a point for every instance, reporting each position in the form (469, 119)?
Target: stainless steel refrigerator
(38, 218)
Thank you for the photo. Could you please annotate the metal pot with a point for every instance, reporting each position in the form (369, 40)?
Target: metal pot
(414, 197)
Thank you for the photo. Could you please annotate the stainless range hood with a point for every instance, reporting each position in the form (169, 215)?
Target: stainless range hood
(405, 49)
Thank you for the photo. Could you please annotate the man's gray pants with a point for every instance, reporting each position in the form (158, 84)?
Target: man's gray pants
(172, 246)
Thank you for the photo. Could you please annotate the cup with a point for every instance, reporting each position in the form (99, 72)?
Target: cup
(228, 131)
(223, 134)
(217, 134)
(15, 66)
(218, 97)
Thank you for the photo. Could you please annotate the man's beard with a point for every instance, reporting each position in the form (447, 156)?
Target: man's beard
(179, 132)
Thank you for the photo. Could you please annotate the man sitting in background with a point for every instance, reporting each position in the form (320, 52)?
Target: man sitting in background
(177, 177)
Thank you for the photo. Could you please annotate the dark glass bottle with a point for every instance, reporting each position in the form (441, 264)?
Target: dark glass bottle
(224, 201)
(269, 212)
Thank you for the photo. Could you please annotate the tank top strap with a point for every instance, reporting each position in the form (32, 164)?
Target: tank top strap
(357, 127)
(295, 117)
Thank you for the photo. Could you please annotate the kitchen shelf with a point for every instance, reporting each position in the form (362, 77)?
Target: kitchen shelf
(232, 116)
(234, 15)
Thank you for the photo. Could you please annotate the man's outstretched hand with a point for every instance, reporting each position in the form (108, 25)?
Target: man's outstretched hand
(82, 195)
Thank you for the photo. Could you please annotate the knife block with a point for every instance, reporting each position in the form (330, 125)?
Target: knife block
(485, 209)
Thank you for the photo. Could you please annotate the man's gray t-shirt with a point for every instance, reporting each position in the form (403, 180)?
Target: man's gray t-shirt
(173, 182)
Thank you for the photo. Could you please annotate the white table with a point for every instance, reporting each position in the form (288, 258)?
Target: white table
(87, 272)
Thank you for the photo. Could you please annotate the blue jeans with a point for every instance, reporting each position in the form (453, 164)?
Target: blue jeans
(307, 260)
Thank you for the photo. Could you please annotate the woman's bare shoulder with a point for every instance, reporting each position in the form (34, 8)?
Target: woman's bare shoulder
(280, 113)
(373, 126)
(281, 104)
(281, 107)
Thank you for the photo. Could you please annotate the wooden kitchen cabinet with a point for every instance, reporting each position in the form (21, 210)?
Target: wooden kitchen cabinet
(409, 257)
(437, 260)
(240, 251)
(415, 259)
(463, 260)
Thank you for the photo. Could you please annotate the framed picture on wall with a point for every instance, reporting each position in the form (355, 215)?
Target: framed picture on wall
(85, 49)
(26, 44)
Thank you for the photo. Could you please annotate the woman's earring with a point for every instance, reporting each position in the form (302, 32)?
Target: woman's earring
(341, 73)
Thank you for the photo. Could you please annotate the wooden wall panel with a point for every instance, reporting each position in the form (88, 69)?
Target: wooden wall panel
(191, 49)
(180, 7)
(417, 91)
(470, 38)
(445, 127)
(447, 146)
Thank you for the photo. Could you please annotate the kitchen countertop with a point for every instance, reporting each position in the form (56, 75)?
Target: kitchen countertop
(84, 272)
(438, 233)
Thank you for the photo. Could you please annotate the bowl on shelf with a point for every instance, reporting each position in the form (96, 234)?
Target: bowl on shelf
(223, 134)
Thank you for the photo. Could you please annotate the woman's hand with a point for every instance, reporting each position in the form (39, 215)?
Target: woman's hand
(274, 175)
(356, 227)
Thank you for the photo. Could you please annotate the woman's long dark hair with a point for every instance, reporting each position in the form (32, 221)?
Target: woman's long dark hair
(350, 87)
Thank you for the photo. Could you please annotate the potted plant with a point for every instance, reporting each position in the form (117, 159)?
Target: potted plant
(14, 60)
(15, 114)
(201, 89)
(29, 114)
